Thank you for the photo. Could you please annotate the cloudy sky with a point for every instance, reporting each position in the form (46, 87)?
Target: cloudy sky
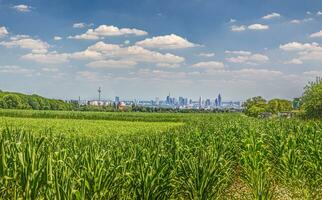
(141, 49)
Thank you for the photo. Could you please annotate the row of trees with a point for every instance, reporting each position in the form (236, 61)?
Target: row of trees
(9, 100)
(309, 105)
(258, 105)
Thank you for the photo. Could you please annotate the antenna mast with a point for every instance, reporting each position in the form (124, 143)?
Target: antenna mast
(99, 95)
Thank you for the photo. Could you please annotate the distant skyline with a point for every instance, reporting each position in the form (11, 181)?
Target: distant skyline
(142, 49)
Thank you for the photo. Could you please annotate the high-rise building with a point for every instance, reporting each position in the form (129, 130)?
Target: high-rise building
(219, 100)
(207, 103)
(200, 102)
(168, 99)
(117, 100)
(216, 102)
(157, 101)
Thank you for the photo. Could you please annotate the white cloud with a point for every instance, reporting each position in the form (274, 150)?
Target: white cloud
(167, 65)
(316, 35)
(207, 55)
(235, 28)
(232, 20)
(49, 58)
(22, 8)
(112, 64)
(244, 53)
(104, 30)
(91, 76)
(295, 21)
(294, 61)
(311, 55)
(24, 42)
(134, 53)
(57, 38)
(87, 54)
(3, 31)
(49, 69)
(319, 13)
(79, 25)
(247, 57)
(166, 42)
(13, 69)
(297, 46)
(126, 42)
(272, 15)
(211, 65)
(258, 27)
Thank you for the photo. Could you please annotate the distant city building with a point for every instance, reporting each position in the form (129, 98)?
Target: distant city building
(208, 103)
(219, 100)
(216, 102)
(117, 100)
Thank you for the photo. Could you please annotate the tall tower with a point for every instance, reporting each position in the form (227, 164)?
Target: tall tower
(219, 100)
(99, 95)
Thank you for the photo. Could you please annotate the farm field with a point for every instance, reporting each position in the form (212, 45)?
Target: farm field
(66, 155)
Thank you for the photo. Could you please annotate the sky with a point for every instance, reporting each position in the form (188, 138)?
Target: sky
(142, 49)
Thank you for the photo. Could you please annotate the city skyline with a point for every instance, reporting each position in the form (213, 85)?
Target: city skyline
(146, 49)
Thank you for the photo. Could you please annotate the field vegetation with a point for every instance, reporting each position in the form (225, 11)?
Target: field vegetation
(208, 156)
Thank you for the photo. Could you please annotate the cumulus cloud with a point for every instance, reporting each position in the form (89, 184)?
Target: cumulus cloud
(297, 46)
(167, 65)
(210, 65)
(14, 69)
(105, 30)
(133, 53)
(306, 51)
(79, 25)
(316, 35)
(112, 64)
(25, 42)
(235, 28)
(3, 31)
(271, 16)
(239, 52)
(87, 55)
(246, 57)
(258, 27)
(166, 42)
(57, 38)
(22, 8)
(47, 58)
(294, 61)
(319, 13)
(207, 55)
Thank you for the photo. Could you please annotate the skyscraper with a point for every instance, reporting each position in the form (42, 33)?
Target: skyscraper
(219, 100)
(117, 100)
(200, 102)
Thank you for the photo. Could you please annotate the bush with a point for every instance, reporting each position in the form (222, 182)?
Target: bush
(312, 99)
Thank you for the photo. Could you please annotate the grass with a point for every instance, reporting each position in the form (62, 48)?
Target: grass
(213, 156)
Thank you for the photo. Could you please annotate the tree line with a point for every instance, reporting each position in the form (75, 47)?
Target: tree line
(308, 106)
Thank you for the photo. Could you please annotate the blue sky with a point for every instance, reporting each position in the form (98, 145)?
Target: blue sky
(144, 49)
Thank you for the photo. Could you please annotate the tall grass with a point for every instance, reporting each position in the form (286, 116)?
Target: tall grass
(204, 159)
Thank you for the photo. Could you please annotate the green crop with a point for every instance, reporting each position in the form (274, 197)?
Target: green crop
(213, 156)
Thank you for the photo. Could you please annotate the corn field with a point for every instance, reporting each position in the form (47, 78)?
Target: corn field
(216, 156)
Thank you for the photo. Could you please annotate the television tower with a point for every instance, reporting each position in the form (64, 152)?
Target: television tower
(99, 95)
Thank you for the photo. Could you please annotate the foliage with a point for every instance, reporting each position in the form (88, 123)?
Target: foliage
(10, 100)
(211, 156)
(312, 99)
(255, 106)
(279, 105)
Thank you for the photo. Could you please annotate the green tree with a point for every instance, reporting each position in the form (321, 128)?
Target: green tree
(11, 101)
(255, 106)
(312, 99)
(279, 105)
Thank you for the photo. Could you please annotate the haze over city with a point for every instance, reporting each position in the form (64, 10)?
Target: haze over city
(146, 49)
